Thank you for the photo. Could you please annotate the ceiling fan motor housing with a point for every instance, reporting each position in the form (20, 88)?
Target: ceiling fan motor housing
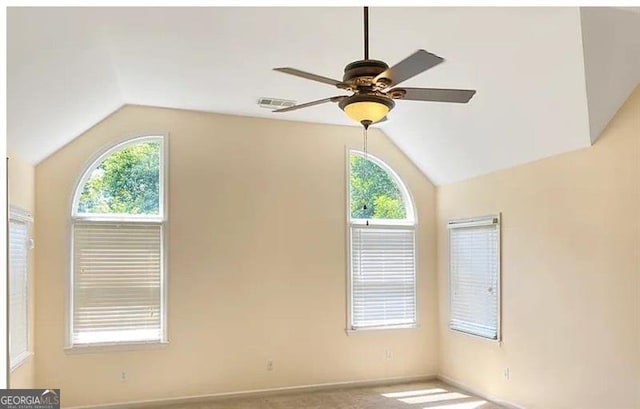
(363, 68)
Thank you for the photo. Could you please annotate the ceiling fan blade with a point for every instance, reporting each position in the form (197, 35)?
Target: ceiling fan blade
(312, 103)
(461, 96)
(411, 66)
(309, 76)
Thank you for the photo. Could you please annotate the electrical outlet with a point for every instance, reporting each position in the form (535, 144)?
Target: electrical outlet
(123, 376)
(269, 365)
(507, 374)
(388, 354)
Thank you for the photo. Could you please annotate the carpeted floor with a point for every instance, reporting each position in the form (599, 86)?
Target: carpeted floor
(416, 395)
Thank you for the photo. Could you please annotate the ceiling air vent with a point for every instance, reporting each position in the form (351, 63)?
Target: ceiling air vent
(275, 103)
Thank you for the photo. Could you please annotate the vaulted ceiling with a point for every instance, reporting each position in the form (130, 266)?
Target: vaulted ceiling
(548, 79)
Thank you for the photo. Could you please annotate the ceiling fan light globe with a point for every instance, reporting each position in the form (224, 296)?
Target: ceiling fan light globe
(366, 108)
(370, 111)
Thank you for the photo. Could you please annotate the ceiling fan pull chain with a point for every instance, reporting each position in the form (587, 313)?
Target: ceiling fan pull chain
(365, 143)
(365, 135)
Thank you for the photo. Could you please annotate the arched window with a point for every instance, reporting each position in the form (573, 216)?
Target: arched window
(382, 268)
(118, 262)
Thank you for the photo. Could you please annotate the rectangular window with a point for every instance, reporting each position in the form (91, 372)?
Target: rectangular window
(383, 292)
(19, 246)
(474, 276)
(118, 283)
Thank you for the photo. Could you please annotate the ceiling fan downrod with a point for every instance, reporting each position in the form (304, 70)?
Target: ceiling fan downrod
(366, 33)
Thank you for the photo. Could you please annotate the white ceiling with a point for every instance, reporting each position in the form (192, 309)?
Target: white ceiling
(611, 60)
(70, 67)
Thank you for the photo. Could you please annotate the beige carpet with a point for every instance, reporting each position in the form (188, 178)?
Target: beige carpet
(416, 395)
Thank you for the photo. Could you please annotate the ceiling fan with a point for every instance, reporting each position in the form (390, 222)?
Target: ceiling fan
(371, 82)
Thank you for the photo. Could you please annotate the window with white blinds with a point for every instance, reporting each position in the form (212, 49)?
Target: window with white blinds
(382, 264)
(118, 277)
(382, 276)
(474, 276)
(117, 282)
(19, 245)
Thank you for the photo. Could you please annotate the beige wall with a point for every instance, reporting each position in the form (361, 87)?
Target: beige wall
(570, 276)
(257, 262)
(21, 187)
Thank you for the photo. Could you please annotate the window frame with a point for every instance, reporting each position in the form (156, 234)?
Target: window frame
(410, 222)
(470, 222)
(161, 219)
(20, 215)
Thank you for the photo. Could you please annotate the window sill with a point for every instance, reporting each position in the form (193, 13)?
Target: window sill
(351, 331)
(114, 347)
(21, 360)
(497, 340)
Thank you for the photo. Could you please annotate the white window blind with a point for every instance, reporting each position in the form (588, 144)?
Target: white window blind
(382, 276)
(117, 282)
(474, 275)
(18, 291)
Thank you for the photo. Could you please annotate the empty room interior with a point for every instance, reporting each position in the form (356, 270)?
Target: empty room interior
(324, 207)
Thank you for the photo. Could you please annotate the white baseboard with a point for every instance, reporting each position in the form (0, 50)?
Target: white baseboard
(498, 401)
(259, 392)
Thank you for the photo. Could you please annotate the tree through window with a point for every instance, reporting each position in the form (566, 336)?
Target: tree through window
(126, 182)
(374, 194)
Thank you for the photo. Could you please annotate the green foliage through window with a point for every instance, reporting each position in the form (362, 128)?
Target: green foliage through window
(374, 195)
(126, 182)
